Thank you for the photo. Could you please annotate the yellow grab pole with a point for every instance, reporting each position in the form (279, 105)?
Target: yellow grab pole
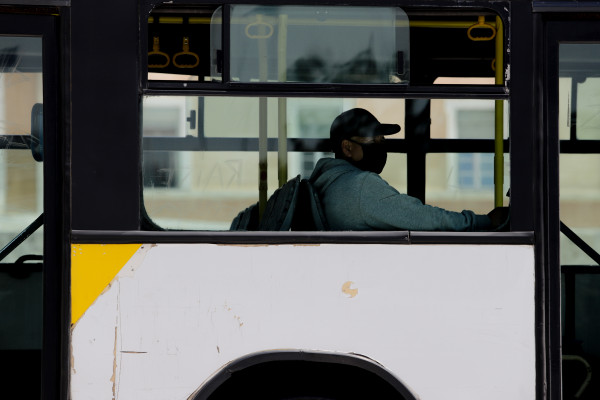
(282, 160)
(262, 121)
(499, 120)
(262, 155)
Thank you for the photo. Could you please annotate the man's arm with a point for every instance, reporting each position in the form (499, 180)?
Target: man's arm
(384, 208)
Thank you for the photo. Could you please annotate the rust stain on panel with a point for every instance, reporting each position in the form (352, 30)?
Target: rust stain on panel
(346, 289)
(113, 377)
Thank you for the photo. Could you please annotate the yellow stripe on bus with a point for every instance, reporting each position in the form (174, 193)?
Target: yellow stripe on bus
(93, 267)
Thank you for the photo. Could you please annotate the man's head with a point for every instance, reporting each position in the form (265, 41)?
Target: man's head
(357, 136)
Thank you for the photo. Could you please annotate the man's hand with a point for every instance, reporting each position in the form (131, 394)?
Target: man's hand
(498, 216)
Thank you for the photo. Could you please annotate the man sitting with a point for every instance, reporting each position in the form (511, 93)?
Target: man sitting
(355, 197)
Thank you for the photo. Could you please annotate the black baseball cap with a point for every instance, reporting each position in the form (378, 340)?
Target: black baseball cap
(358, 122)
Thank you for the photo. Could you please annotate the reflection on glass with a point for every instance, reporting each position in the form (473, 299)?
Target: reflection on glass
(579, 202)
(463, 181)
(579, 85)
(202, 190)
(179, 44)
(20, 82)
(579, 115)
(319, 44)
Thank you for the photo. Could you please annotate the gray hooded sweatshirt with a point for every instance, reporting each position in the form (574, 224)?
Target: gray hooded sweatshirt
(353, 199)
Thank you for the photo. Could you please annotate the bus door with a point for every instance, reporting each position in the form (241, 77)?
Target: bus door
(574, 124)
(29, 203)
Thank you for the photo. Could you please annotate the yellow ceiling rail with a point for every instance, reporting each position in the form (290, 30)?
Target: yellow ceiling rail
(499, 120)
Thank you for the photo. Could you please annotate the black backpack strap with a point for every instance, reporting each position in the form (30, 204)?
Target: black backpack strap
(279, 211)
(309, 212)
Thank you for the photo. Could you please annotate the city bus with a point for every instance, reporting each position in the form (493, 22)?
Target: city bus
(161, 238)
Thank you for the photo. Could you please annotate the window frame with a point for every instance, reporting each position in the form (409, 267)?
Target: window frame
(416, 146)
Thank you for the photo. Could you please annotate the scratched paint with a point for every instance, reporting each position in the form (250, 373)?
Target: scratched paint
(189, 309)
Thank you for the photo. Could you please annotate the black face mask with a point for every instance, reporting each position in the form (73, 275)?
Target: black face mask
(374, 157)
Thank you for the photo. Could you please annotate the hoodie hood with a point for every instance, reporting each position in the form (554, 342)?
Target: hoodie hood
(328, 170)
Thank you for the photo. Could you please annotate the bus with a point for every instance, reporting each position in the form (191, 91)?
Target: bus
(160, 239)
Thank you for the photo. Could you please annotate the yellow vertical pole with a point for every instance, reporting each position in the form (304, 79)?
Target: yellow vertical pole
(262, 123)
(499, 120)
(282, 160)
(262, 155)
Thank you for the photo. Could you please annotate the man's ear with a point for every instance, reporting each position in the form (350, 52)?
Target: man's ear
(347, 148)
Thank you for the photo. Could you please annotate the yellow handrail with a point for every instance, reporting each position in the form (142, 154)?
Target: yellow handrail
(186, 52)
(156, 52)
(499, 121)
(481, 24)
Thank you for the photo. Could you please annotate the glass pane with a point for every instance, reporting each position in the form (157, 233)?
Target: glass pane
(579, 107)
(463, 181)
(20, 175)
(578, 114)
(21, 203)
(465, 119)
(394, 172)
(201, 178)
(579, 201)
(319, 44)
(326, 44)
(459, 181)
(180, 42)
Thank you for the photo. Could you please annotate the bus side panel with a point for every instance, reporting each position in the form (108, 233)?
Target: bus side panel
(450, 321)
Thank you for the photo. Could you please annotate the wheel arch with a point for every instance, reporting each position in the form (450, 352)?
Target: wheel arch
(298, 373)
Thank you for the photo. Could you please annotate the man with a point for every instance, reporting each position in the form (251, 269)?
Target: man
(355, 197)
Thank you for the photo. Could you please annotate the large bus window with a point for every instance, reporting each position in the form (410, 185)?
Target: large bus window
(201, 167)
(193, 169)
(325, 44)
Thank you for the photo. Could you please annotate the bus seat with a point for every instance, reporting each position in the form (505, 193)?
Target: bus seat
(246, 220)
(280, 208)
(309, 215)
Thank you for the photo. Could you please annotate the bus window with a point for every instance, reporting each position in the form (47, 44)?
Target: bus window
(319, 44)
(233, 135)
(324, 44)
(21, 195)
(201, 167)
(179, 43)
(21, 212)
(201, 178)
